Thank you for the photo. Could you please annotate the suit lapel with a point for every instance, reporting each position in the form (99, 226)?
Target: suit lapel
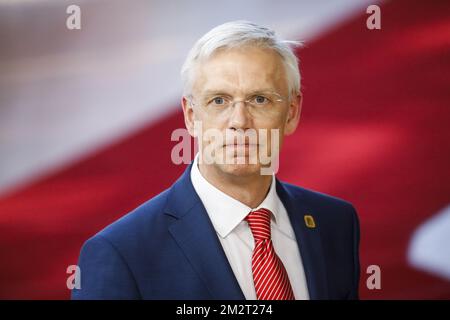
(196, 237)
(309, 243)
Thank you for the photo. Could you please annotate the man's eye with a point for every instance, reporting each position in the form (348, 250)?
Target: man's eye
(218, 101)
(260, 100)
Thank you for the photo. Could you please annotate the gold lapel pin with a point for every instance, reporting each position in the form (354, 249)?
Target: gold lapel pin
(309, 221)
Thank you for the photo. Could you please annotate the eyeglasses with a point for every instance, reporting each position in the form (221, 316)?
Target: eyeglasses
(258, 103)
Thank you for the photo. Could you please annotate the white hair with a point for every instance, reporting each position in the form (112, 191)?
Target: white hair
(238, 34)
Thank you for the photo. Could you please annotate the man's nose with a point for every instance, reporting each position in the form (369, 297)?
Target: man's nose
(240, 117)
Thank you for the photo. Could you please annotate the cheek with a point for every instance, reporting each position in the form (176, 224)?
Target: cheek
(276, 122)
(274, 128)
(212, 122)
(282, 123)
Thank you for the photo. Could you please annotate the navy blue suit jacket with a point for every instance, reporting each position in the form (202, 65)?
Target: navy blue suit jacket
(168, 249)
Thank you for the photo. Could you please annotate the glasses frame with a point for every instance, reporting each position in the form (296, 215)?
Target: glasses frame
(280, 98)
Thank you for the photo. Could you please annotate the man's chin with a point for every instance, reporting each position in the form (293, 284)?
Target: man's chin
(240, 169)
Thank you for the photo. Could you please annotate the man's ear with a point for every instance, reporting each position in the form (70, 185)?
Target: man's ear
(293, 118)
(188, 113)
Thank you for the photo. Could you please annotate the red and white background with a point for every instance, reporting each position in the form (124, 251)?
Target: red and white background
(86, 118)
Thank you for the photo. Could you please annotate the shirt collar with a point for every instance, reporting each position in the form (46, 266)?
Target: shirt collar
(225, 212)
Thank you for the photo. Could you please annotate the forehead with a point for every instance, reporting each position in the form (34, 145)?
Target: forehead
(240, 70)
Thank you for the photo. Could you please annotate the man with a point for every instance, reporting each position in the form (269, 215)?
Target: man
(227, 229)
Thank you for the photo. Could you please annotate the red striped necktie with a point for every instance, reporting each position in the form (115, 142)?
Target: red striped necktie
(269, 275)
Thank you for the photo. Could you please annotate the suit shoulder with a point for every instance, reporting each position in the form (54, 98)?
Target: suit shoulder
(137, 222)
(337, 217)
(315, 196)
(327, 205)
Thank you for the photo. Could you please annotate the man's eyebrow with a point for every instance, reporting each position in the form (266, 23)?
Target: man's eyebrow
(215, 92)
(264, 90)
(224, 92)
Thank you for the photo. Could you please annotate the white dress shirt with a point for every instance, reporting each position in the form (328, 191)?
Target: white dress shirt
(227, 214)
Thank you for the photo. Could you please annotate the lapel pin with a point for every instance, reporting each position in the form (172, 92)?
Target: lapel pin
(309, 221)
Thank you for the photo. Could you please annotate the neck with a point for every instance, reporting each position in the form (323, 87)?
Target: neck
(249, 189)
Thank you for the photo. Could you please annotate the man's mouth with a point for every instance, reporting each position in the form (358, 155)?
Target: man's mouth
(240, 144)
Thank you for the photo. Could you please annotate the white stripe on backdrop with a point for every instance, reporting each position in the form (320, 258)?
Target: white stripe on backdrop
(63, 94)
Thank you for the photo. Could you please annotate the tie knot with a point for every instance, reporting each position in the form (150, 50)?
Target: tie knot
(259, 222)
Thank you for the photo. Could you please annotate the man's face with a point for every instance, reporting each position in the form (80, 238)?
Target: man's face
(249, 74)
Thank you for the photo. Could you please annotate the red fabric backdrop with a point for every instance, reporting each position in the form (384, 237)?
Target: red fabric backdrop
(374, 131)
